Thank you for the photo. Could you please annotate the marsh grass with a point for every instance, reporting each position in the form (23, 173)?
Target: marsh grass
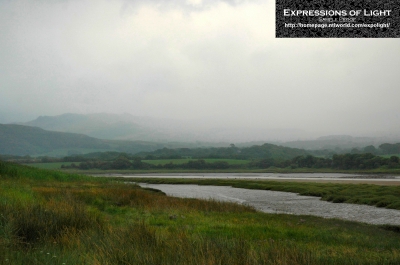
(15, 171)
(61, 219)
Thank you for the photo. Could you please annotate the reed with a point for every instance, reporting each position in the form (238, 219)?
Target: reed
(85, 220)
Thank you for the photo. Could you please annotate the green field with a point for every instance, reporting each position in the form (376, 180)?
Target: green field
(53, 165)
(51, 217)
(185, 160)
(57, 165)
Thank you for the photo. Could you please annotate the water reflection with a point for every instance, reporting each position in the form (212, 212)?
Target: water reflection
(275, 176)
(284, 202)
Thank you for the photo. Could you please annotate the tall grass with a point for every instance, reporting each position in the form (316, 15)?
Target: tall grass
(88, 221)
(142, 244)
(30, 223)
(11, 170)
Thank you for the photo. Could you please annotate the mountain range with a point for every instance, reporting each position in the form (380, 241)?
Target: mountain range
(27, 140)
(68, 134)
(130, 127)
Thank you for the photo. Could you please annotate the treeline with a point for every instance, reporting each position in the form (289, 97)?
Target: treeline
(342, 162)
(257, 152)
(232, 152)
(123, 163)
(265, 151)
(339, 162)
(383, 149)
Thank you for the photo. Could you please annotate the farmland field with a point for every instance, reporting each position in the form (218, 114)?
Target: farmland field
(185, 160)
(57, 165)
(50, 165)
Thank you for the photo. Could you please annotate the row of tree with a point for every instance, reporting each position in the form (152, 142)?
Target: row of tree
(124, 163)
(256, 152)
(341, 162)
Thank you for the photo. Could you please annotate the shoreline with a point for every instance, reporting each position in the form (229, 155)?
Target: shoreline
(279, 177)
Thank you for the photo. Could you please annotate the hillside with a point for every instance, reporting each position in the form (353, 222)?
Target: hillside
(129, 127)
(117, 127)
(26, 140)
(254, 152)
(103, 126)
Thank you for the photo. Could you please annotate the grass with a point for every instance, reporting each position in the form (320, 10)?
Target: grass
(15, 171)
(61, 152)
(393, 172)
(49, 217)
(185, 160)
(57, 166)
(52, 165)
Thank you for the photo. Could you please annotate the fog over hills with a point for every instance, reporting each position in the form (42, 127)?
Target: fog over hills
(188, 133)
(79, 134)
(27, 140)
(129, 127)
(190, 70)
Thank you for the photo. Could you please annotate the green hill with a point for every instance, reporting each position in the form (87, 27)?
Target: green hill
(26, 140)
(254, 152)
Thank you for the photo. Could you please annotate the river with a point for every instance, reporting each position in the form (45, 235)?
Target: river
(285, 202)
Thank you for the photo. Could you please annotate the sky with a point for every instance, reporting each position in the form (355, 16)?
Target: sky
(216, 62)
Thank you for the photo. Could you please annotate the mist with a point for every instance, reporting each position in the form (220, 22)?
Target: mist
(211, 64)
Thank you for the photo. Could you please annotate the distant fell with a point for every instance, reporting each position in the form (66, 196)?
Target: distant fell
(129, 127)
(27, 140)
(161, 130)
(119, 127)
(103, 126)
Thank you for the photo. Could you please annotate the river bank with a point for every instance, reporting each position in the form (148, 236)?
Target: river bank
(292, 177)
(283, 202)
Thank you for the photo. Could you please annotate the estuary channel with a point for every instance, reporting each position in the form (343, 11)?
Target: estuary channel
(285, 202)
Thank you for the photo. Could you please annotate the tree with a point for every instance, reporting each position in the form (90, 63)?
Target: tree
(390, 148)
(394, 159)
(121, 163)
(370, 149)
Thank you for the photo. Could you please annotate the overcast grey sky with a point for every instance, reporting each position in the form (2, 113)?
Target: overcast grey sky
(210, 60)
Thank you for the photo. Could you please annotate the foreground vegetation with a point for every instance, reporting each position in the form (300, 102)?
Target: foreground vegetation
(49, 217)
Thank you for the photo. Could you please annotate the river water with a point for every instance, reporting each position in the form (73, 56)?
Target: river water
(284, 202)
(321, 177)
